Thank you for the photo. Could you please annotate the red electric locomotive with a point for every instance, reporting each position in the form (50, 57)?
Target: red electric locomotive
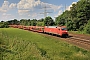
(61, 31)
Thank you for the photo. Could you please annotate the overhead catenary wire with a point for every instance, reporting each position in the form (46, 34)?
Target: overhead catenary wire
(45, 11)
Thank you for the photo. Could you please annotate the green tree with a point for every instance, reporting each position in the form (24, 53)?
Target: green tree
(34, 22)
(25, 22)
(77, 17)
(40, 22)
(29, 22)
(87, 28)
(48, 21)
(63, 18)
(83, 12)
(4, 24)
(12, 22)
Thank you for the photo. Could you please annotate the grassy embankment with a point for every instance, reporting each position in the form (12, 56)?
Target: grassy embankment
(16, 44)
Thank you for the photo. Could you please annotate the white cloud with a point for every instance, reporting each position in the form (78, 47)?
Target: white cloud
(29, 15)
(51, 6)
(68, 8)
(12, 5)
(1, 10)
(59, 13)
(34, 15)
(5, 7)
(25, 6)
(23, 12)
(6, 16)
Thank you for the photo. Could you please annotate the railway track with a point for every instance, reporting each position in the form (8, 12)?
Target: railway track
(84, 41)
(81, 36)
(76, 40)
(81, 42)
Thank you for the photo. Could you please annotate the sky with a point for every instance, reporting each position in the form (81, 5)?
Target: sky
(32, 9)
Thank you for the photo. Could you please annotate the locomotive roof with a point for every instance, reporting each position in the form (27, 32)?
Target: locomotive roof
(51, 26)
(55, 26)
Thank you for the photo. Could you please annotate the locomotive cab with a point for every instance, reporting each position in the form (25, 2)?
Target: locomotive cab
(63, 31)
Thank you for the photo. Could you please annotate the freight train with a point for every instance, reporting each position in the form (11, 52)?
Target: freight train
(57, 30)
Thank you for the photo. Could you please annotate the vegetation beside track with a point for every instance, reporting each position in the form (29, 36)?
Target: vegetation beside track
(16, 44)
(79, 32)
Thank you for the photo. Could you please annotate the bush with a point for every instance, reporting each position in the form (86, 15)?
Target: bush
(4, 25)
(87, 27)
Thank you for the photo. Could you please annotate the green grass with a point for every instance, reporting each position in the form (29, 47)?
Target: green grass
(16, 44)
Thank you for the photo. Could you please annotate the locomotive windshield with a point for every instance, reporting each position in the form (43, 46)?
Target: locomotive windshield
(63, 28)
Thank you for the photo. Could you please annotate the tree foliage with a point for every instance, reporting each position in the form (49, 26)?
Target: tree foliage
(40, 22)
(48, 21)
(87, 28)
(4, 24)
(77, 17)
